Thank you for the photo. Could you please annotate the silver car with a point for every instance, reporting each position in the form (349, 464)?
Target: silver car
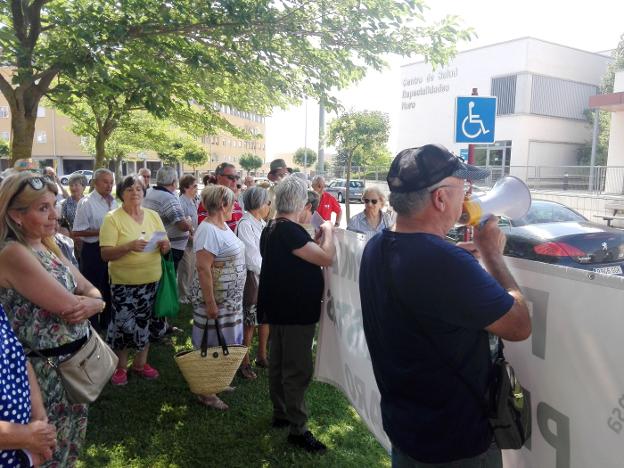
(338, 188)
(85, 172)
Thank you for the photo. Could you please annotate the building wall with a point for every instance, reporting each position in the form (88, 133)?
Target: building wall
(57, 145)
(616, 137)
(428, 98)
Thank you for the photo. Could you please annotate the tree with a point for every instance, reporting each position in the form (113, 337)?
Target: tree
(604, 122)
(195, 157)
(300, 157)
(248, 55)
(360, 133)
(4, 148)
(250, 162)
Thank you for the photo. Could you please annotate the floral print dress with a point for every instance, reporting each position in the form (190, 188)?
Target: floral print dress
(39, 329)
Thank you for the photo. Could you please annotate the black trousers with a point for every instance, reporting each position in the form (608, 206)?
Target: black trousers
(96, 271)
(177, 255)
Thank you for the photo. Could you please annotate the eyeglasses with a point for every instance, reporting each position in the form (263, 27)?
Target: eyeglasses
(368, 200)
(36, 183)
(231, 177)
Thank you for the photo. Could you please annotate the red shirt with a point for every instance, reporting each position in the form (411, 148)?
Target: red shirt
(237, 214)
(328, 205)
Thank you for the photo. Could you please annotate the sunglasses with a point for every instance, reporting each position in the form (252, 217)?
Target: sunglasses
(36, 183)
(368, 200)
(231, 177)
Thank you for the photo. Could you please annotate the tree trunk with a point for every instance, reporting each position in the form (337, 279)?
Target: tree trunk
(22, 135)
(347, 191)
(100, 149)
(118, 161)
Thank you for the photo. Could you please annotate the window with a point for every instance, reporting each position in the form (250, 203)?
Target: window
(4, 136)
(504, 88)
(4, 112)
(42, 137)
(41, 111)
(555, 97)
(356, 184)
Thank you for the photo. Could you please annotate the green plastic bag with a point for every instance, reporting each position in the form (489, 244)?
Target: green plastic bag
(167, 304)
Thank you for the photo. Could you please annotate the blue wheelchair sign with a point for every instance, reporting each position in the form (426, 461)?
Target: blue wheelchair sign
(475, 119)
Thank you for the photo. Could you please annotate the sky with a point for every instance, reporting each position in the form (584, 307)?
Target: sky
(588, 25)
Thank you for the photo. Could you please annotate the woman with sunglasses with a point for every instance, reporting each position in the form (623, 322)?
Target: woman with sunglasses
(47, 300)
(189, 203)
(372, 220)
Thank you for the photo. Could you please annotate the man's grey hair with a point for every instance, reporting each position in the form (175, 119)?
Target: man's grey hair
(166, 175)
(145, 171)
(101, 171)
(81, 179)
(255, 197)
(409, 203)
(316, 180)
(291, 195)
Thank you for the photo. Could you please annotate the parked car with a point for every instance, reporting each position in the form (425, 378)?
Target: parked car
(553, 233)
(338, 188)
(85, 172)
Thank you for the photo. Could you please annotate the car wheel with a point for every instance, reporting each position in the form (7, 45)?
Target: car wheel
(64, 180)
(340, 198)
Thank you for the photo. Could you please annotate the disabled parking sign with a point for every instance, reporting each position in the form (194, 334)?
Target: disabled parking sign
(475, 119)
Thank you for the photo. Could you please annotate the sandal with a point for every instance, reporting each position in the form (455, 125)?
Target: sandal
(247, 373)
(263, 363)
(213, 402)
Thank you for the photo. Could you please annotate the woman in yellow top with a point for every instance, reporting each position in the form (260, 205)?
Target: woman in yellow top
(135, 273)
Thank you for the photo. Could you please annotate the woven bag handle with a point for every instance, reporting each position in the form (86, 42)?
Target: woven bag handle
(220, 339)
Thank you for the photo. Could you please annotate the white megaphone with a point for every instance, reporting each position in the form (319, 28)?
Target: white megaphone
(510, 197)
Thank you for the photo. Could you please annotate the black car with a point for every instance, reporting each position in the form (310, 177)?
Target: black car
(553, 233)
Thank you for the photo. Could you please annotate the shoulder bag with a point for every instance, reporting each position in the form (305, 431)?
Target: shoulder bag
(85, 374)
(507, 404)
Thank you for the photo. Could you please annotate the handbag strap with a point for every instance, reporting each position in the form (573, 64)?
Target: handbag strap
(220, 339)
(481, 400)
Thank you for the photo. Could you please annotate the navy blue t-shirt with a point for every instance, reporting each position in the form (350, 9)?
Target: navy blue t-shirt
(427, 412)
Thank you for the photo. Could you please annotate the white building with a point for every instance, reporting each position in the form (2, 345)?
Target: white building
(543, 90)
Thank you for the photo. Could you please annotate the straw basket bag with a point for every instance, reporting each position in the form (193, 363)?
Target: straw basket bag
(210, 370)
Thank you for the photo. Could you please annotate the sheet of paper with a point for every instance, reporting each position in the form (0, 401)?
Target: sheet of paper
(152, 244)
(316, 221)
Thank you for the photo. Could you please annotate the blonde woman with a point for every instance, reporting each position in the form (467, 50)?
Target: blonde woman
(373, 219)
(221, 272)
(47, 300)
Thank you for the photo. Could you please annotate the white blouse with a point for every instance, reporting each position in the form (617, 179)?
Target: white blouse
(249, 230)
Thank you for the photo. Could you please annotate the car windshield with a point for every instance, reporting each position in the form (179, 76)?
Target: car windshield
(356, 184)
(547, 212)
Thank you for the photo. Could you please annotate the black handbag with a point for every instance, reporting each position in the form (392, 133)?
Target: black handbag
(507, 404)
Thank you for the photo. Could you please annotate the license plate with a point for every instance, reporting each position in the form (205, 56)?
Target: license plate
(611, 270)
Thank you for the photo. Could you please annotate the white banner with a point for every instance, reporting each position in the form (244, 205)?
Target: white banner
(573, 364)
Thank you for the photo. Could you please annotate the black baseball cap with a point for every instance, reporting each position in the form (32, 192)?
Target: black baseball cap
(414, 169)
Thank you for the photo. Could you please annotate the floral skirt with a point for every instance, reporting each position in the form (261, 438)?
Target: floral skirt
(69, 419)
(133, 323)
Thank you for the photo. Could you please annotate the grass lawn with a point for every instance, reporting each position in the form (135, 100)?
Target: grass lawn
(159, 424)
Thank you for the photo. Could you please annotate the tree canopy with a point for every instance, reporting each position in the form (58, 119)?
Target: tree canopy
(363, 132)
(250, 162)
(305, 157)
(248, 55)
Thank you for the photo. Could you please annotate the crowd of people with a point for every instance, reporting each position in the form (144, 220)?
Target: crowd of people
(250, 255)
(244, 254)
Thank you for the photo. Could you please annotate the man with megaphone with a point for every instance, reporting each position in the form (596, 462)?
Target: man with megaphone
(432, 312)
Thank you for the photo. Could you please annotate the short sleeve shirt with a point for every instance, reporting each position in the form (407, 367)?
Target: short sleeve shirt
(135, 267)
(328, 205)
(427, 412)
(168, 206)
(290, 288)
(90, 213)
